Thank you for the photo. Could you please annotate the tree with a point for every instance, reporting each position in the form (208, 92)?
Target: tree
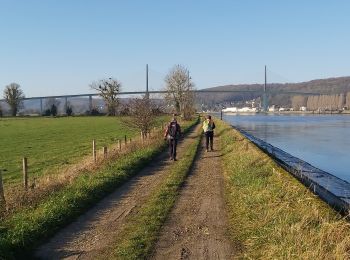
(13, 95)
(179, 90)
(298, 101)
(51, 107)
(141, 111)
(69, 109)
(108, 89)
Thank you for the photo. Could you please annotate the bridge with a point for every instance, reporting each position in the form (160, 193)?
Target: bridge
(264, 93)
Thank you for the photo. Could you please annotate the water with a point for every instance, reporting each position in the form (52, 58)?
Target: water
(321, 140)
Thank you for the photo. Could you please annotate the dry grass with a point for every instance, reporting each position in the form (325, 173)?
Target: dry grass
(272, 215)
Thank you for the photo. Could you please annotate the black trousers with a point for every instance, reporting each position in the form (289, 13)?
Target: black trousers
(172, 148)
(209, 137)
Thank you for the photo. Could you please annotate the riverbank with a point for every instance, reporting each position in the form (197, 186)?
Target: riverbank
(345, 112)
(272, 215)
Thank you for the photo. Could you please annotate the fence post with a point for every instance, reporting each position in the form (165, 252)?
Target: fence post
(94, 150)
(2, 196)
(221, 114)
(104, 149)
(125, 140)
(25, 173)
(119, 145)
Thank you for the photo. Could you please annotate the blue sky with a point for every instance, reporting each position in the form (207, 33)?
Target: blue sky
(57, 47)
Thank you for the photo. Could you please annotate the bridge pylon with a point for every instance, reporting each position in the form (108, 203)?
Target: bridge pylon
(265, 102)
(265, 97)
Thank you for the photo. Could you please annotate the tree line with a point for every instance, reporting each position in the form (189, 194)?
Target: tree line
(322, 102)
(178, 85)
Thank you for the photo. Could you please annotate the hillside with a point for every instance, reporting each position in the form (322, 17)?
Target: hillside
(328, 87)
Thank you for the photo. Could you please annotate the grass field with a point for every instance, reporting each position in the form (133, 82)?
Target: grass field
(51, 143)
(21, 232)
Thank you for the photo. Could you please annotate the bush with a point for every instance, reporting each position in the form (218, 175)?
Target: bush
(52, 111)
(69, 110)
(47, 112)
(95, 112)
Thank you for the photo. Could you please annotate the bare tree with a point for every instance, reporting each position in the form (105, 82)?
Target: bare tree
(13, 95)
(108, 89)
(179, 90)
(141, 112)
(298, 101)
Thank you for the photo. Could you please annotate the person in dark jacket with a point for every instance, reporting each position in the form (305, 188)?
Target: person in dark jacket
(172, 135)
(208, 128)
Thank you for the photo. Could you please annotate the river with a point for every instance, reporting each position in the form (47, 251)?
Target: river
(321, 140)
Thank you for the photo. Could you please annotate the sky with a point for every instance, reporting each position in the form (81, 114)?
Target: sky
(59, 47)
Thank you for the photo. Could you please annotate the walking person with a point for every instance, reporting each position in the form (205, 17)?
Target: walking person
(208, 128)
(172, 135)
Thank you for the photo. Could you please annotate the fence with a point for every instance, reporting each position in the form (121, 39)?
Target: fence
(31, 190)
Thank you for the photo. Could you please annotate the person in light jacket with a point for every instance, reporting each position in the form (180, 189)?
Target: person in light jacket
(208, 128)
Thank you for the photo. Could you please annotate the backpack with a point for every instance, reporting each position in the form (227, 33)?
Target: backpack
(172, 130)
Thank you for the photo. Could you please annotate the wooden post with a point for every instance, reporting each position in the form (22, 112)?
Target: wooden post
(119, 145)
(104, 149)
(2, 196)
(142, 137)
(125, 140)
(25, 173)
(94, 150)
(221, 114)
(246, 145)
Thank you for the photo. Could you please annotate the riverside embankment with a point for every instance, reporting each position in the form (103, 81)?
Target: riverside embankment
(312, 138)
(331, 189)
(272, 215)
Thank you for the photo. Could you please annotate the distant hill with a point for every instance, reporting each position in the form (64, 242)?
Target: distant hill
(327, 87)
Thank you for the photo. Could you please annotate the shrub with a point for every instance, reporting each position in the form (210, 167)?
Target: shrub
(69, 110)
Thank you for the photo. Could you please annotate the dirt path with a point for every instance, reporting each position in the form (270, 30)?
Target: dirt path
(197, 226)
(94, 232)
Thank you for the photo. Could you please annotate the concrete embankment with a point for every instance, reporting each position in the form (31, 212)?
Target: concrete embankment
(272, 215)
(333, 190)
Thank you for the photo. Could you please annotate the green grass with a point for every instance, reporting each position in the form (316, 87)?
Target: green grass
(52, 143)
(272, 215)
(141, 232)
(26, 229)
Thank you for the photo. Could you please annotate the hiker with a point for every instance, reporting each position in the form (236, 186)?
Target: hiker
(172, 134)
(208, 127)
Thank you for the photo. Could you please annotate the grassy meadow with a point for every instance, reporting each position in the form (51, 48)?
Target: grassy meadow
(26, 228)
(52, 143)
